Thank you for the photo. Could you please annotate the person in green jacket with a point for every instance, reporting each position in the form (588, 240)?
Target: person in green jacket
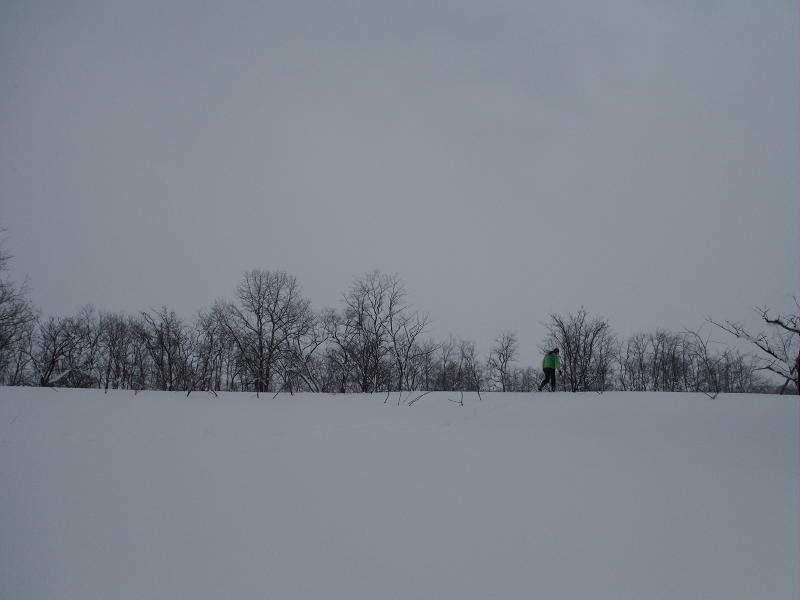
(550, 364)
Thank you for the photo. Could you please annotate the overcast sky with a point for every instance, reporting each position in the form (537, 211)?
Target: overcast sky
(506, 158)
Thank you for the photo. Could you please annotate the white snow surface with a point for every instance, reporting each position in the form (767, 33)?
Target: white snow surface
(639, 496)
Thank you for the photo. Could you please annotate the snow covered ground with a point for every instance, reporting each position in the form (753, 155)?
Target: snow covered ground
(553, 496)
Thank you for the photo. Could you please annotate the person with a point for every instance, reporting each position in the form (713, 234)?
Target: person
(550, 364)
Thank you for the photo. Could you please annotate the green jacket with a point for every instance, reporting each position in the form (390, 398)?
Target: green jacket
(551, 361)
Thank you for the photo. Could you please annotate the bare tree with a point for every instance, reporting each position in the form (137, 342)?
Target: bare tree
(212, 350)
(140, 375)
(16, 316)
(84, 359)
(48, 350)
(468, 358)
(654, 361)
(446, 367)
(684, 362)
(425, 364)
(708, 380)
(370, 305)
(300, 361)
(19, 369)
(405, 327)
(587, 346)
(115, 334)
(633, 361)
(165, 337)
(418, 376)
(739, 373)
(270, 312)
(342, 333)
(523, 379)
(779, 346)
(502, 355)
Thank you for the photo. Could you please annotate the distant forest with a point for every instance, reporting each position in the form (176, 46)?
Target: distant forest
(270, 339)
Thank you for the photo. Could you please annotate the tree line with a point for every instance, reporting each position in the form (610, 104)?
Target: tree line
(268, 338)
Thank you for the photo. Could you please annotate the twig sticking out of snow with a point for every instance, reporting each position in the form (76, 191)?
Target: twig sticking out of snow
(418, 397)
(461, 401)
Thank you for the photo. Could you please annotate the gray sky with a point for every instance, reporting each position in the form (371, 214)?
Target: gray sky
(505, 158)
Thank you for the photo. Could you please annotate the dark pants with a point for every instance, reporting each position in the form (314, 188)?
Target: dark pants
(549, 375)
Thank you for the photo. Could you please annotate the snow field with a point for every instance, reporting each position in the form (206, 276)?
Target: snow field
(553, 496)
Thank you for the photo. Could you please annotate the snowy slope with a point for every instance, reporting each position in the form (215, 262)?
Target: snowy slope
(552, 496)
